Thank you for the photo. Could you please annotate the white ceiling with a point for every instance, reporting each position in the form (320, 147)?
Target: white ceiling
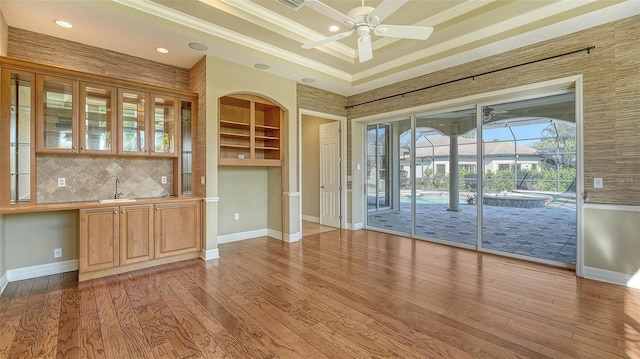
(265, 31)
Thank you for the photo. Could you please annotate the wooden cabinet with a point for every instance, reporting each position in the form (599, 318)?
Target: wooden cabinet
(119, 239)
(97, 125)
(164, 126)
(99, 239)
(136, 233)
(177, 228)
(250, 129)
(57, 125)
(149, 124)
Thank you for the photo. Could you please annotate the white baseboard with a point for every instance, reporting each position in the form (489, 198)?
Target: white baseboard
(359, 225)
(603, 275)
(233, 237)
(41, 270)
(310, 218)
(210, 254)
(294, 237)
(4, 281)
(274, 234)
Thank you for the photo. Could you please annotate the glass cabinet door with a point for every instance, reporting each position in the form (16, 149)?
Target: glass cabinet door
(133, 127)
(57, 125)
(164, 126)
(20, 117)
(96, 119)
(187, 130)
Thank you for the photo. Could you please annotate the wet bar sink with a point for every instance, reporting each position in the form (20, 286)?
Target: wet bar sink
(117, 200)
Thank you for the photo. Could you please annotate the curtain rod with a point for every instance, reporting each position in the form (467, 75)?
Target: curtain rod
(472, 77)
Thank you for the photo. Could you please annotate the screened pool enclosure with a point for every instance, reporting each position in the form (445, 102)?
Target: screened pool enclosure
(503, 181)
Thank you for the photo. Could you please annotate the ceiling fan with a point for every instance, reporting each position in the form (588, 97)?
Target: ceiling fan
(362, 20)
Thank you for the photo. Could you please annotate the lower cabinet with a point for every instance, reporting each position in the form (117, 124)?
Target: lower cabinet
(118, 239)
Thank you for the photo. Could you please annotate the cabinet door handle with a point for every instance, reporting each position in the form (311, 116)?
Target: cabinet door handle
(123, 211)
(157, 208)
(115, 212)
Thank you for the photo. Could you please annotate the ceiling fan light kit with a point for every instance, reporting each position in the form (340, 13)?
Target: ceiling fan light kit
(362, 20)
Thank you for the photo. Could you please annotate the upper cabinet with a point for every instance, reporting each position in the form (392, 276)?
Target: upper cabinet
(57, 116)
(164, 126)
(250, 129)
(132, 121)
(97, 120)
(148, 124)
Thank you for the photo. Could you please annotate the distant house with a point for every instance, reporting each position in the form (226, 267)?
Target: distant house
(433, 153)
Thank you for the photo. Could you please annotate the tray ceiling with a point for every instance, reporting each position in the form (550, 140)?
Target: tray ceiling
(268, 32)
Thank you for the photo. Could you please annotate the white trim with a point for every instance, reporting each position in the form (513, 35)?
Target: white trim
(239, 236)
(358, 225)
(41, 270)
(210, 254)
(274, 234)
(3, 282)
(312, 219)
(603, 275)
(212, 199)
(293, 237)
(612, 207)
(291, 194)
(195, 23)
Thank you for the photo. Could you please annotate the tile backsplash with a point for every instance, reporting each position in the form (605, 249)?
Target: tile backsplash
(92, 178)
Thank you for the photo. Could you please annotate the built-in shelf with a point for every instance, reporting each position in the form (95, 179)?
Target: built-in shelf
(250, 131)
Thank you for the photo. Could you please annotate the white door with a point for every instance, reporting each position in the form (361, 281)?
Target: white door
(330, 174)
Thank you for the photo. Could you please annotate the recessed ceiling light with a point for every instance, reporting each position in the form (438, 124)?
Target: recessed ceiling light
(62, 23)
(261, 66)
(334, 28)
(198, 46)
(308, 79)
(162, 50)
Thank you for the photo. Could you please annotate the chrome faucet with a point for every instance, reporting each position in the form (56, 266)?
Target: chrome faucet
(118, 194)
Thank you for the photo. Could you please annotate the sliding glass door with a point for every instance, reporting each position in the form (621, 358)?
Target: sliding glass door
(446, 177)
(389, 176)
(423, 174)
(529, 186)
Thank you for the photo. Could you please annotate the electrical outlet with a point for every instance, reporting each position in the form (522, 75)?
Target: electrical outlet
(62, 182)
(236, 216)
(163, 179)
(597, 183)
(57, 253)
(202, 180)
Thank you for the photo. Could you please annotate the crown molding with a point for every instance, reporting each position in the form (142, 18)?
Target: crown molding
(293, 30)
(192, 22)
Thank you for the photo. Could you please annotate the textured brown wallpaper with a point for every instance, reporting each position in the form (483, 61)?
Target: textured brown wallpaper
(611, 97)
(42, 49)
(198, 81)
(4, 35)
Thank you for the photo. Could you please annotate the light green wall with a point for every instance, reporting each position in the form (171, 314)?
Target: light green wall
(225, 78)
(310, 164)
(355, 202)
(612, 240)
(33, 237)
(243, 191)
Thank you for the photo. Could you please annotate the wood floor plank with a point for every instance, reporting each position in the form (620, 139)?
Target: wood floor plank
(68, 345)
(48, 331)
(337, 294)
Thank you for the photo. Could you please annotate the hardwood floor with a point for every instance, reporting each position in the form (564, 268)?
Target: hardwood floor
(339, 294)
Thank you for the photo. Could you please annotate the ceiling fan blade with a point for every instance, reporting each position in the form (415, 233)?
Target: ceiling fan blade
(382, 11)
(329, 11)
(339, 36)
(365, 52)
(405, 32)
